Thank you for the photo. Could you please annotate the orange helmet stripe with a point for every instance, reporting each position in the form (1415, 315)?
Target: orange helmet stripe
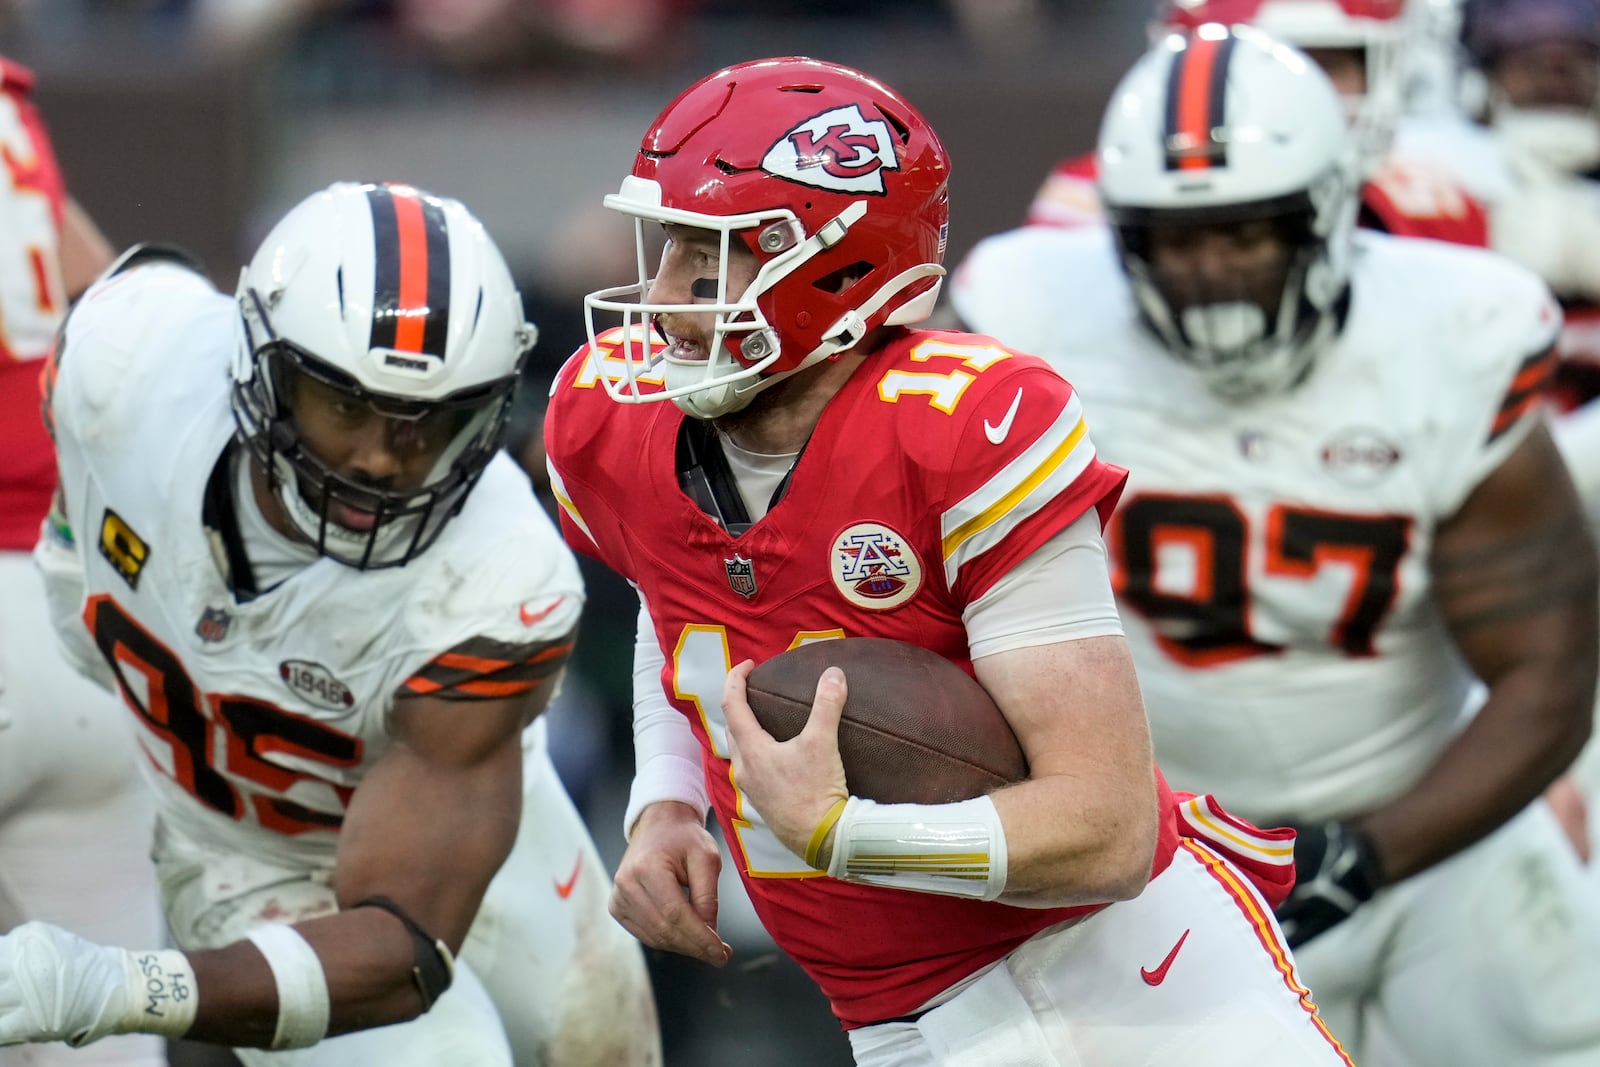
(1196, 94)
(411, 278)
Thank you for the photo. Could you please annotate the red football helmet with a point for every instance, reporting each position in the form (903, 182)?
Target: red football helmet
(824, 173)
(1378, 29)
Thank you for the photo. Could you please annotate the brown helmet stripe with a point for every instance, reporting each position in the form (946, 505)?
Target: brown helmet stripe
(1196, 95)
(411, 283)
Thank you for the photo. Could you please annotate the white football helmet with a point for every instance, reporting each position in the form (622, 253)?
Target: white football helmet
(1219, 127)
(401, 301)
(1384, 32)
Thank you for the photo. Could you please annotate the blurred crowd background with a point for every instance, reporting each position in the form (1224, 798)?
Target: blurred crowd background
(200, 122)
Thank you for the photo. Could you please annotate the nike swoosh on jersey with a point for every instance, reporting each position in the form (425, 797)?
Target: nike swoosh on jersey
(1159, 975)
(530, 617)
(564, 889)
(997, 434)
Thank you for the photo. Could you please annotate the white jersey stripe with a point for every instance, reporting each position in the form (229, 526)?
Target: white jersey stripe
(1017, 491)
(1201, 818)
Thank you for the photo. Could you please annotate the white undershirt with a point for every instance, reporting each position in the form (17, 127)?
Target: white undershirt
(273, 557)
(756, 474)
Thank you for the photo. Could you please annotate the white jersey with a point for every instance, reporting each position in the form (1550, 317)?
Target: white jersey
(1271, 556)
(261, 717)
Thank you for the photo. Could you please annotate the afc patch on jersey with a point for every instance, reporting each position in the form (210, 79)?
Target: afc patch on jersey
(874, 567)
(840, 149)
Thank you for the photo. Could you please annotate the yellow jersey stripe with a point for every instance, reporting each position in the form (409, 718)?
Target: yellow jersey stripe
(558, 489)
(1267, 933)
(989, 516)
(1282, 855)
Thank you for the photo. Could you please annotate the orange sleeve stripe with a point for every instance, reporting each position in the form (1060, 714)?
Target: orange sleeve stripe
(1533, 373)
(1266, 932)
(479, 687)
(1509, 414)
(484, 688)
(480, 664)
(550, 653)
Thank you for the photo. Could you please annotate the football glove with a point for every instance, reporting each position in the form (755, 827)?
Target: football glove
(55, 986)
(1336, 871)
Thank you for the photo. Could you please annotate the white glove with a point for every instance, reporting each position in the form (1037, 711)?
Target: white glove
(55, 986)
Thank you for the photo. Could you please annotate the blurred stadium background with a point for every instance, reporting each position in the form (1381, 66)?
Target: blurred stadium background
(200, 121)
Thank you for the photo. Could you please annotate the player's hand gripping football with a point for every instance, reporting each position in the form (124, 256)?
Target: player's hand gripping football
(1336, 871)
(792, 784)
(665, 891)
(55, 986)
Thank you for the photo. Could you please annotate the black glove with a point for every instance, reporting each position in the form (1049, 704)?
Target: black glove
(1336, 871)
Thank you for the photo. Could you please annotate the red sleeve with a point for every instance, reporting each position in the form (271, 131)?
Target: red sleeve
(1410, 201)
(576, 452)
(1022, 468)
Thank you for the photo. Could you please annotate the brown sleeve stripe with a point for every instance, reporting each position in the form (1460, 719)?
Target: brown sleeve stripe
(1526, 391)
(467, 673)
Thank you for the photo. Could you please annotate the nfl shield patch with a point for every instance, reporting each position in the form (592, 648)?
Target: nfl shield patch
(741, 575)
(213, 625)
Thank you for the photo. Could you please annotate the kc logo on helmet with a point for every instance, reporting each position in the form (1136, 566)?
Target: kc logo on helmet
(841, 149)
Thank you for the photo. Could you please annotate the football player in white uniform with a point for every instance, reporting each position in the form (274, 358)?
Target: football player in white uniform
(334, 609)
(1344, 512)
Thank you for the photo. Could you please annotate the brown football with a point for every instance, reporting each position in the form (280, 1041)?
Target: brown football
(917, 729)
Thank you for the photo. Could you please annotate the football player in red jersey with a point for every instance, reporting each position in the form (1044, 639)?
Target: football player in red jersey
(772, 454)
(1365, 47)
(74, 819)
(335, 612)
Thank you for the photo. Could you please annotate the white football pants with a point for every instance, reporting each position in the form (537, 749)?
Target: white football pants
(1110, 991)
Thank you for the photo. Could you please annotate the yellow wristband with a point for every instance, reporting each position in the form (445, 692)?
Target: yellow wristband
(820, 834)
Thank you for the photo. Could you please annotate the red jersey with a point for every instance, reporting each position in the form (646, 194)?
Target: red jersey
(1405, 197)
(943, 462)
(32, 302)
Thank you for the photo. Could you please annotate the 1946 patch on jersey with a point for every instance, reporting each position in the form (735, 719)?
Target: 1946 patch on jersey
(316, 683)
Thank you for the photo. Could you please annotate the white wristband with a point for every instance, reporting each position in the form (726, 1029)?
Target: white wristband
(302, 986)
(952, 849)
(161, 995)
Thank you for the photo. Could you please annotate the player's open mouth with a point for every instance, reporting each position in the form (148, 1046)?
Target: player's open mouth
(683, 350)
(352, 518)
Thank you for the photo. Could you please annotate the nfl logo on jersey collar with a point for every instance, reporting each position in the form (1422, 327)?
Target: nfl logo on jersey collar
(741, 575)
(213, 625)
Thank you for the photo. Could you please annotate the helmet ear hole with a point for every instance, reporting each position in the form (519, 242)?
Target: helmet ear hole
(841, 281)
